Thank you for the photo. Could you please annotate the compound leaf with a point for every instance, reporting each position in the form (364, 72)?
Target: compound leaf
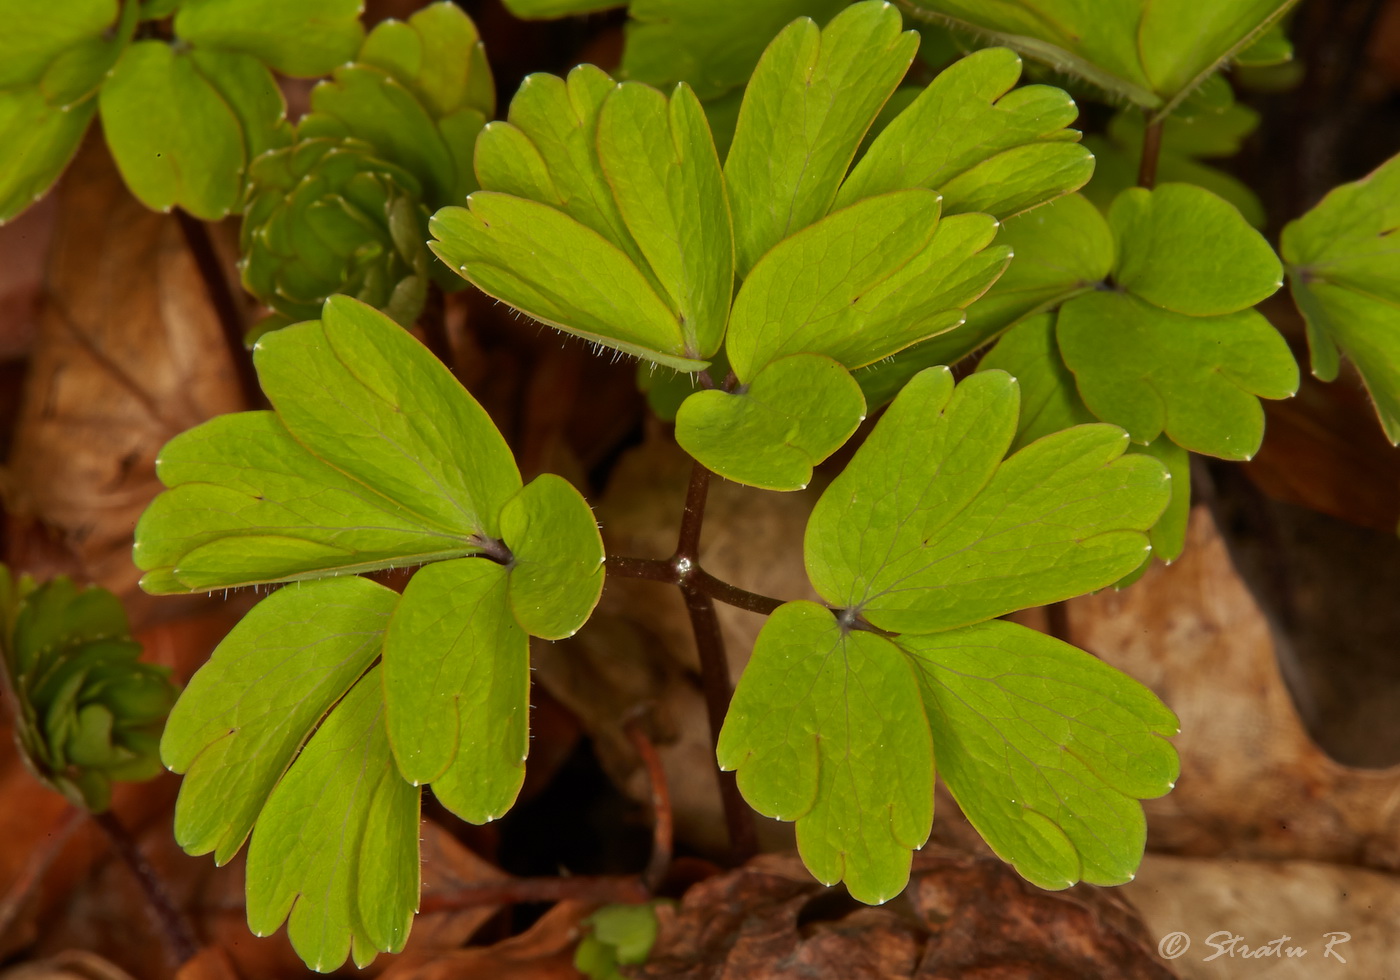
(712, 46)
(559, 271)
(1059, 250)
(312, 861)
(457, 686)
(248, 504)
(247, 711)
(360, 393)
(1046, 749)
(809, 104)
(999, 151)
(660, 162)
(251, 93)
(173, 137)
(303, 39)
(1184, 249)
(770, 432)
(863, 283)
(928, 529)
(1194, 378)
(1343, 269)
(556, 567)
(826, 728)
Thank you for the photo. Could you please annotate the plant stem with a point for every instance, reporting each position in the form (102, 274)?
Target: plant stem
(179, 937)
(664, 570)
(599, 889)
(714, 680)
(714, 665)
(663, 823)
(211, 271)
(1151, 150)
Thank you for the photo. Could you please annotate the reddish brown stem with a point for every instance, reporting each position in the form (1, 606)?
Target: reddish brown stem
(1151, 150)
(664, 571)
(600, 889)
(714, 681)
(174, 927)
(662, 837)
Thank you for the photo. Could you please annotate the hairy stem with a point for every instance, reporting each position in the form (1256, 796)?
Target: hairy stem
(1151, 150)
(174, 927)
(225, 304)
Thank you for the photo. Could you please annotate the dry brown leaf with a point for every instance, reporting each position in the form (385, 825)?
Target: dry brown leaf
(1253, 783)
(1304, 905)
(128, 354)
(68, 965)
(447, 868)
(963, 916)
(210, 963)
(545, 951)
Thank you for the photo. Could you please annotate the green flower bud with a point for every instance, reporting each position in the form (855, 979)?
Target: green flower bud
(87, 710)
(327, 216)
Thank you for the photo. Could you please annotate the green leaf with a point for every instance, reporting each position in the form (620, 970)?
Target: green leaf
(335, 850)
(1343, 270)
(1182, 248)
(378, 458)
(302, 39)
(1000, 151)
(770, 432)
(457, 687)
(39, 140)
(1046, 749)
(369, 104)
(550, 9)
(1060, 250)
(547, 152)
(826, 728)
(1194, 378)
(863, 283)
(249, 504)
(1180, 47)
(247, 711)
(75, 75)
(660, 162)
(556, 567)
(928, 529)
(1049, 401)
(37, 32)
(560, 272)
(359, 392)
(1150, 52)
(86, 712)
(813, 95)
(712, 46)
(251, 92)
(1168, 535)
(174, 138)
(438, 55)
